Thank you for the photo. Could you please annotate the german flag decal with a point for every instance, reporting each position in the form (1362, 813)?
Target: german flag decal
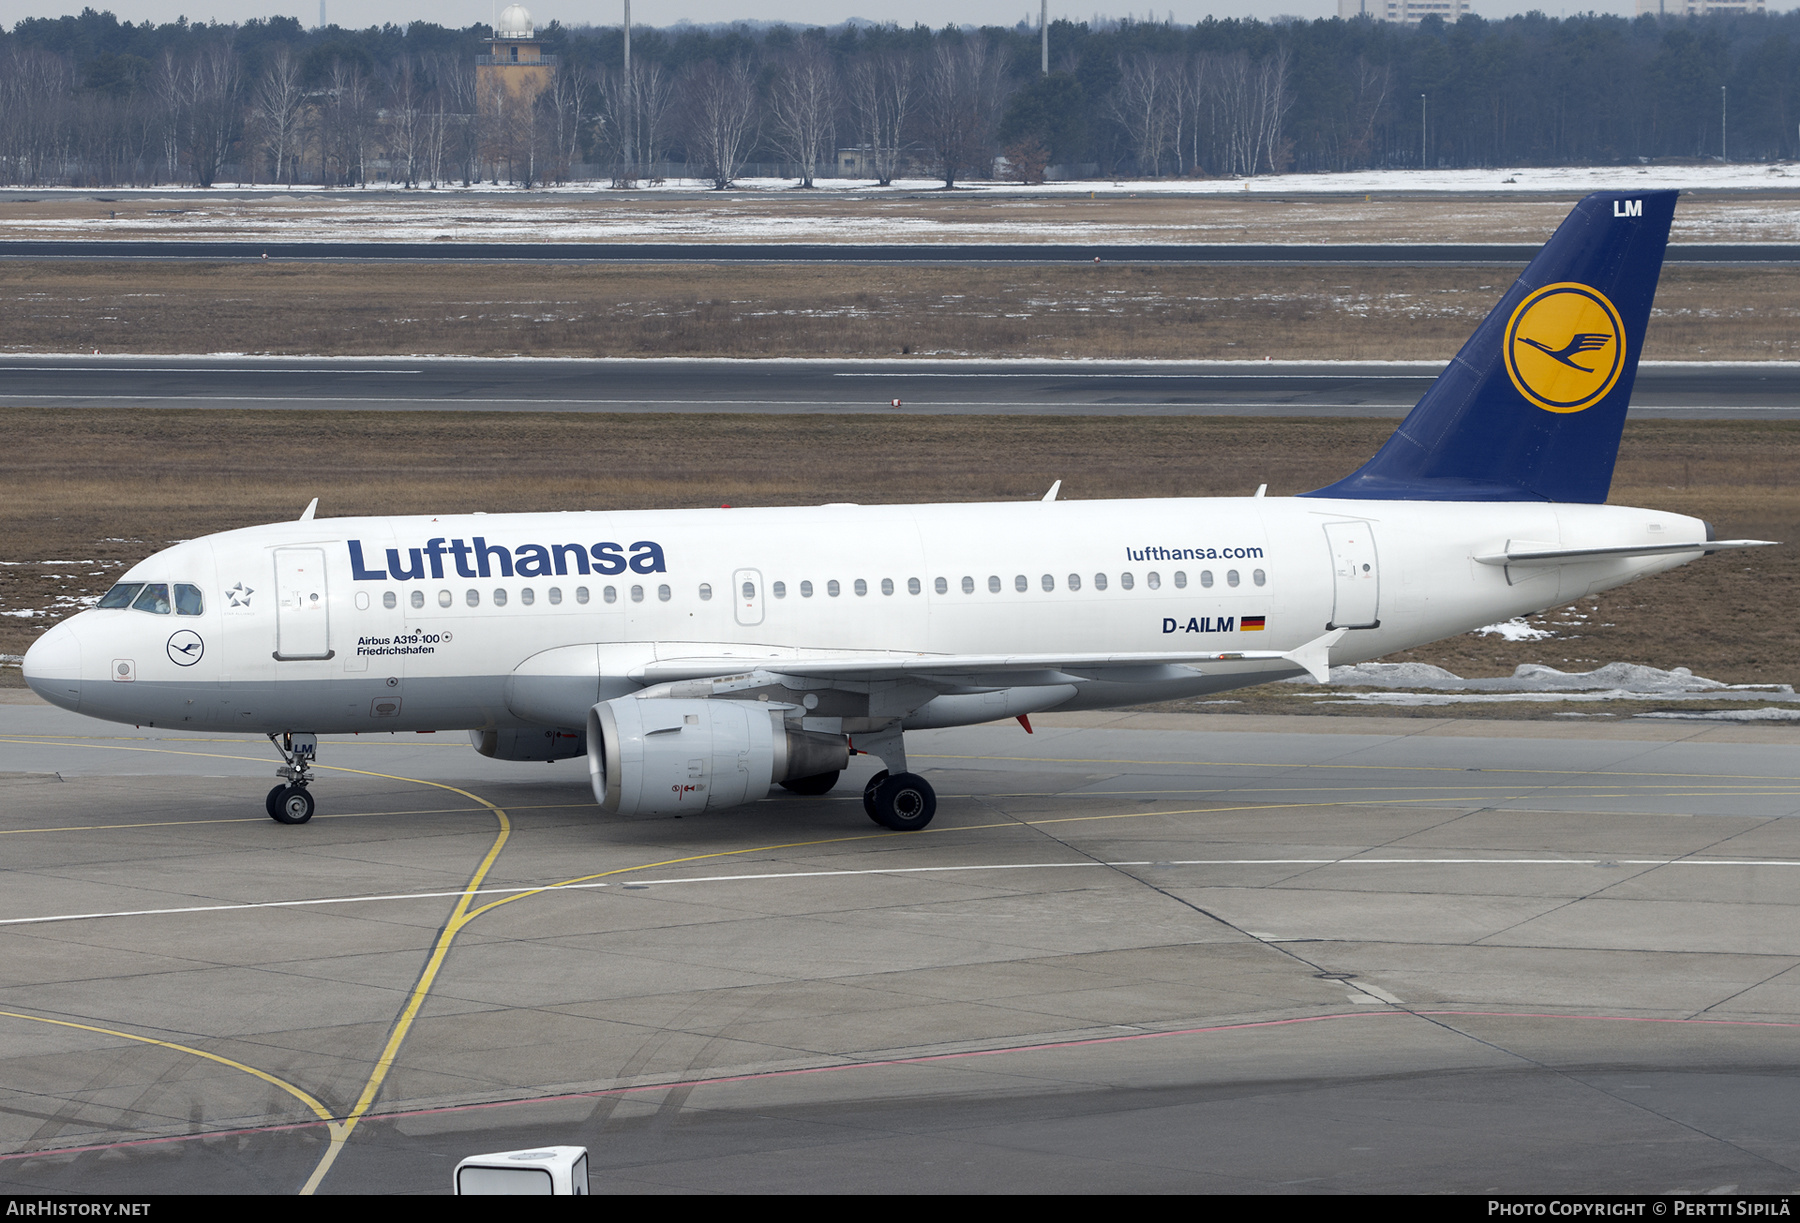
(1252, 624)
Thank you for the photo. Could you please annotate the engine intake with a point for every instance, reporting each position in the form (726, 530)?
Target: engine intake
(656, 756)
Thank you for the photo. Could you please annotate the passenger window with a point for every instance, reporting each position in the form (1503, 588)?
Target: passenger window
(1259, 577)
(188, 601)
(444, 599)
(705, 592)
(473, 598)
(610, 594)
(637, 594)
(941, 586)
(832, 588)
(806, 590)
(1181, 579)
(861, 588)
(663, 593)
(912, 586)
(1153, 580)
(887, 586)
(154, 599)
(1021, 583)
(499, 596)
(749, 591)
(527, 596)
(1231, 577)
(581, 594)
(388, 600)
(121, 595)
(418, 598)
(1126, 581)
(1074, 581)
(1099, 581)
(1048, 582)
(779, 590)
(968, 585)
(555, 595)
(993, 583)
(1206, 579)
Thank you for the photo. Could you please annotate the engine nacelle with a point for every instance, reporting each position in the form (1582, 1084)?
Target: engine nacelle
(532, 744)
(655, 756)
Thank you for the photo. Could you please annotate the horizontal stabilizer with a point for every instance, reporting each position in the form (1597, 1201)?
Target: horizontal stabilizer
(1532, 555)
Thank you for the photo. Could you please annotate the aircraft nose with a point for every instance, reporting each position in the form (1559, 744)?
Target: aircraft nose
(53, 666)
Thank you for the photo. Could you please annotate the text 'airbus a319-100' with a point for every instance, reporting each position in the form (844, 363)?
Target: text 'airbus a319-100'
(699, 657)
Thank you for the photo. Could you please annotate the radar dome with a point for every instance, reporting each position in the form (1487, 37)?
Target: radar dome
(514, 22)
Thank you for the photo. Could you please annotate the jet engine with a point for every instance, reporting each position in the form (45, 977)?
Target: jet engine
(528, 744)
(652, 756)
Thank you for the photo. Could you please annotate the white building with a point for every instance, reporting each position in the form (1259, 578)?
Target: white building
(1409, 12)
(1697, 8)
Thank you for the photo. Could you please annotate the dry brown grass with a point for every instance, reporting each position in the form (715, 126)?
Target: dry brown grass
(72, 482)
(1108, 311)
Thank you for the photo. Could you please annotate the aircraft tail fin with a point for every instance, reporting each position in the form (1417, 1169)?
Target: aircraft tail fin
(1532, 407)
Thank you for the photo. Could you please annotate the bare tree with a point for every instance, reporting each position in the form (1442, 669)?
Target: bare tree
(1146, 103)
(406, 123)
(570, 100)
(278, 102)
(882, 95)
(721, 117)
(34, 92)
(212, 97)
(803, 107)
(961, 99)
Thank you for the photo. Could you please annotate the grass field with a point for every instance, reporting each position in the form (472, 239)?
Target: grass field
(86, 492)
(1106, 311)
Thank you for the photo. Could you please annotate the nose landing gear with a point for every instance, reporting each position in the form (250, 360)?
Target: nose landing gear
(292, 803)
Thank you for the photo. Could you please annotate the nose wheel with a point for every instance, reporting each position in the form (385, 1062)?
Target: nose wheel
(289, 804)
(292, 802)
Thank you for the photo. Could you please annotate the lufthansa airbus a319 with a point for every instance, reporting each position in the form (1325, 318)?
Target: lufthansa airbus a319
(699, 657)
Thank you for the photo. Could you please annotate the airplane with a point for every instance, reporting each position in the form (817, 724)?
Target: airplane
(698, 658)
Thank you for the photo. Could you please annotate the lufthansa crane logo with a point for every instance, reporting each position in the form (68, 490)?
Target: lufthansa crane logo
(185, 648)
(1565, 347)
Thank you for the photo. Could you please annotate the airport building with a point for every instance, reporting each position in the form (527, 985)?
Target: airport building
(1698, 8)
(1404, 12)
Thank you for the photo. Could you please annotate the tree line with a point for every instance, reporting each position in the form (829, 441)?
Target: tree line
(93, 101)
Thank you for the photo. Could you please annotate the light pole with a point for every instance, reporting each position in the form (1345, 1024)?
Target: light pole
(1421, 131)
(1721, 123)
(630, 103)
(1044, 27)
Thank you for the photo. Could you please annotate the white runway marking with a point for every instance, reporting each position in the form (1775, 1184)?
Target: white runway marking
(1609, 863)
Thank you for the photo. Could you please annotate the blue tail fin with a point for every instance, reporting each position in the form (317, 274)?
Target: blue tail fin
(1532, 407)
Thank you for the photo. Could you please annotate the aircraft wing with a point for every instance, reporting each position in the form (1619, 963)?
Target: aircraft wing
(978, 669)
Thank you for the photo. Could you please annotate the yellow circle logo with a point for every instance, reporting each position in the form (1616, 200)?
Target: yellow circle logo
(1565, 347)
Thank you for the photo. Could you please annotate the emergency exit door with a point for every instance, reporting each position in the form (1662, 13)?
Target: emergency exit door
(1356, 575)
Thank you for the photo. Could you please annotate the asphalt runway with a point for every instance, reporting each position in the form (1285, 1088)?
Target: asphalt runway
(1744, 390)
(1135, 952)
(1365, 254)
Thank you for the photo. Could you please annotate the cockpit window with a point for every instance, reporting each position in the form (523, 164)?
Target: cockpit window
(121, 595)
(155, 599)
(188, 600)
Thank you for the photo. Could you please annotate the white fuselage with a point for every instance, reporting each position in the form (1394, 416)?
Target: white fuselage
(418, 634)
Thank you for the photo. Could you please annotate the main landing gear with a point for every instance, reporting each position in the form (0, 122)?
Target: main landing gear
(291, 803)
(904, 802)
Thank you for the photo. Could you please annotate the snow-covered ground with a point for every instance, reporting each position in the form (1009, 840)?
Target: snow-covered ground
(1415, 684)
(916, 212)
(1713, 177)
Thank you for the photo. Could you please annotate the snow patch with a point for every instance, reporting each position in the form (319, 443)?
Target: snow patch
(1726, 715)
(1516, 629)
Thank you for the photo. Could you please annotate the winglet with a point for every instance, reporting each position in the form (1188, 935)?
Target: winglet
(1051, 495)
(307, 513)
(1315, 655)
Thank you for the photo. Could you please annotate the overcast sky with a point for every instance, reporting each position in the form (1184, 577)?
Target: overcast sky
(668, 12)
